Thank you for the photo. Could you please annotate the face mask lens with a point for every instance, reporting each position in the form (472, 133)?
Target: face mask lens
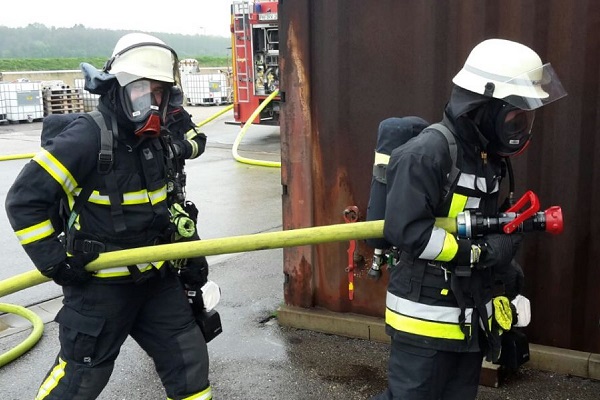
(142, 97)
(518, 123)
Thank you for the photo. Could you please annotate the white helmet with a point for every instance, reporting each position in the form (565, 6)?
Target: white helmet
(139, 55)
(509, 71)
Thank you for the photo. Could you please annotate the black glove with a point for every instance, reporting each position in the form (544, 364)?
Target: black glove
(190, 148)
(194, 272)
(499, 249)
(196, 145)
(71, 271)
(510, 279)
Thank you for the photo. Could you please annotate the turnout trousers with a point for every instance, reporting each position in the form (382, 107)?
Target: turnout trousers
(97, 317)
(416, 373)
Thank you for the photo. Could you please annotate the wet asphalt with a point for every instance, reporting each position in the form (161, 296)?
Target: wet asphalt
(254, 357)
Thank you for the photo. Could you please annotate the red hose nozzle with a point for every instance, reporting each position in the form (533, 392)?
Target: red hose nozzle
(554, 220)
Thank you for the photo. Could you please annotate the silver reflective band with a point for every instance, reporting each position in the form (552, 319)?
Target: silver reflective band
(500, 78)
(469, 181)
(426, 312)
(435, 245)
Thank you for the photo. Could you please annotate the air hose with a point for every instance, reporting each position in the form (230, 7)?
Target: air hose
(238, 139)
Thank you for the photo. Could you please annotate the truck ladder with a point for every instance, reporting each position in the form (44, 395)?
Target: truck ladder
(241, 14)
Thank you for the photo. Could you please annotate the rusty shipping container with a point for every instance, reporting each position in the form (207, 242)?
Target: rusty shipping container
(348, 64)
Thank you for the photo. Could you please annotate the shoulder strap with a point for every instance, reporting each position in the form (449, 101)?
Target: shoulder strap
(105, 163)
(104, 167)
(454, 171)
(87, 189)
(105, 156)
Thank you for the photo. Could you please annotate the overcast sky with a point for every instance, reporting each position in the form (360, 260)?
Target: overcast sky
(204, 17)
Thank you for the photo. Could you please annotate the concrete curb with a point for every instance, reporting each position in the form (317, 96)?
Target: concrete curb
(547, 358)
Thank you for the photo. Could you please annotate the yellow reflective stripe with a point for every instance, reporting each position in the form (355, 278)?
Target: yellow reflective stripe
(442, 246)
(458, 204)
(56, 170)
(35, 232)
(419, 327)
(427, 320)
(52, 380)
(381, 159)
(189, 135)
(155, 264)
(435, 244)
(449, 249)
(97, 198)
(194, 145)
(123, 271)
(206, 394)
(119, 271)
(158, 195)
(139, 197)
(413, 309)
(130, 198)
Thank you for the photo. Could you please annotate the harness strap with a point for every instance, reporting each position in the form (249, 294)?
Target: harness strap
(105, 156)
(456, 285)
(116, 209)
(493, 338)
(87, 189)
(454, 171)
(139, 277)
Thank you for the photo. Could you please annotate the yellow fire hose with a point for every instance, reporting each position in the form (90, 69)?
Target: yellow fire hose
(30, 341)
(207, 120)
(206, 247)
(16, 156)
(238, 139)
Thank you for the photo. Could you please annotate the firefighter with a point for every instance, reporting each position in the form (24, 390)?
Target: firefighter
(439, 300)
(126, 208)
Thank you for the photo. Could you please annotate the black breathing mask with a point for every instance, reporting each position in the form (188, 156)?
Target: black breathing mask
(507, 128)
(144, 103)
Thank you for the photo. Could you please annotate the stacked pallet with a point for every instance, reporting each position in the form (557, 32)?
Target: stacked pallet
(90, 100)
(62, 100)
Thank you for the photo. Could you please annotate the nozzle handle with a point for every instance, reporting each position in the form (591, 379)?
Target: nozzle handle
(534, 206)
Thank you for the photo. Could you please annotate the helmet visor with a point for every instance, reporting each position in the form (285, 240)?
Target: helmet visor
(535, 88)
(142, 97)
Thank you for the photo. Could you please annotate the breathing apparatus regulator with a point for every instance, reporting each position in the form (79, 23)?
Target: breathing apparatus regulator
(513, 77)
(146, 70)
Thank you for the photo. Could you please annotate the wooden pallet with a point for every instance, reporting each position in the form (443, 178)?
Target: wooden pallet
(62, 100)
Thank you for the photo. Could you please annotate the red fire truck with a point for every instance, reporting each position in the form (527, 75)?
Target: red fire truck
(255, 59)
